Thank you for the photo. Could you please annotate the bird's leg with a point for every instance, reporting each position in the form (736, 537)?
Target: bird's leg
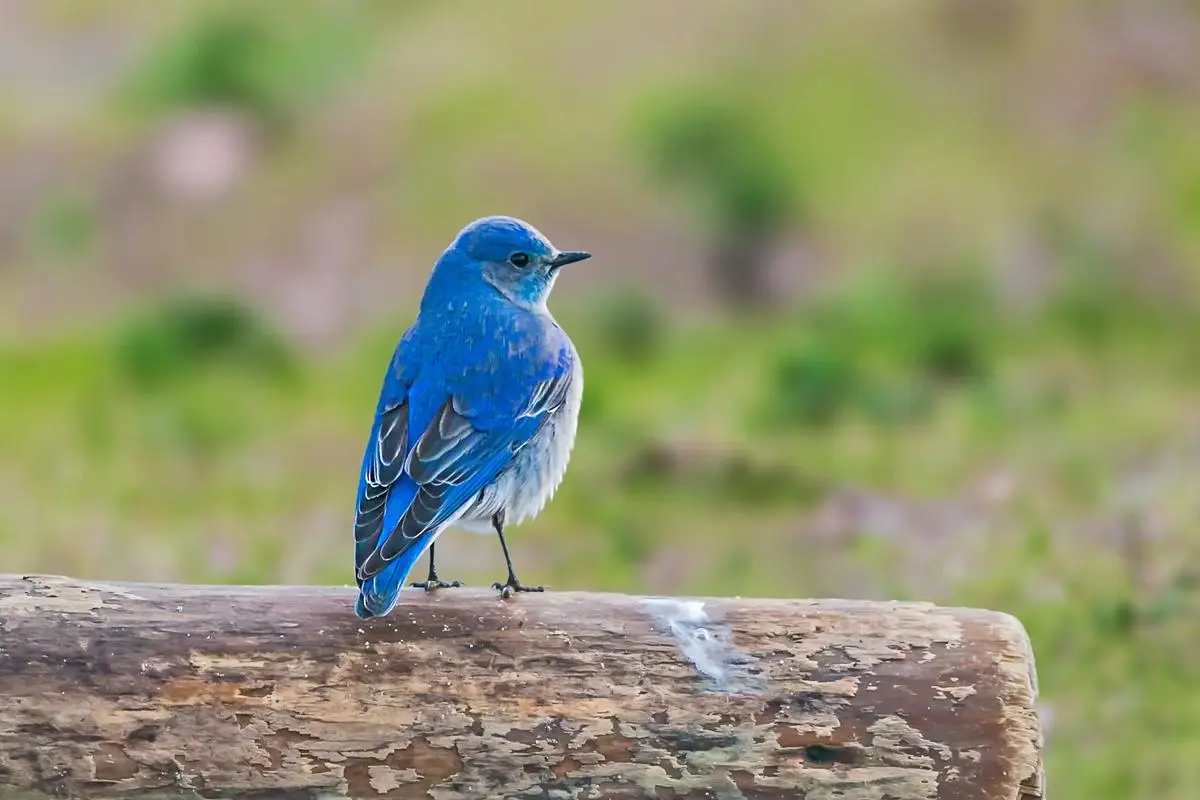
(433, 582)
(512, 584)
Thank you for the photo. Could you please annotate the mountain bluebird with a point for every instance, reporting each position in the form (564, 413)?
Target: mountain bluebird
(477, 415)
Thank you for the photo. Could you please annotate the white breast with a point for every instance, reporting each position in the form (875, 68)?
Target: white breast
(525, 487)
(540, 466)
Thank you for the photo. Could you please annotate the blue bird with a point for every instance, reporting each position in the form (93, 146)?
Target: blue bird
(477, 415)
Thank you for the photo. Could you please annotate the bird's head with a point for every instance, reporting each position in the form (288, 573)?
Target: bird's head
(511, 255)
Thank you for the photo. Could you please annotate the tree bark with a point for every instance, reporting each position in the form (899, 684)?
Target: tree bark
(139, 690)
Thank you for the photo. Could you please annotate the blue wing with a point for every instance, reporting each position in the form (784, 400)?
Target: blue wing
(383, 461)
(474, 434)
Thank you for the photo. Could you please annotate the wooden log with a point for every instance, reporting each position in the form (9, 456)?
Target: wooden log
(139, 690)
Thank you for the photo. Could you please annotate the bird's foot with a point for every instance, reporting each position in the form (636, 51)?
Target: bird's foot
(434, 584)
(507, 588)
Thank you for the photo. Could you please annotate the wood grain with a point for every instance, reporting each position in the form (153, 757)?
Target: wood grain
(138, 690)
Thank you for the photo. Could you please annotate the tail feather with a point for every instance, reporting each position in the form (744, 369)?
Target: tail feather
(379, 593)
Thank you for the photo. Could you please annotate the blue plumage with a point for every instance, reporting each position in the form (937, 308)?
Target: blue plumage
(477, 414)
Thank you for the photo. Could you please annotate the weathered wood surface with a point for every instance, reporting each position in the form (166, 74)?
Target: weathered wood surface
(137, 690)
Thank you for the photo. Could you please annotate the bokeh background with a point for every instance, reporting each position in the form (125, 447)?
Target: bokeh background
(893, 300)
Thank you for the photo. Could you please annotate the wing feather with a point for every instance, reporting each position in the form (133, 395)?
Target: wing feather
(384, 467)
(457, 456)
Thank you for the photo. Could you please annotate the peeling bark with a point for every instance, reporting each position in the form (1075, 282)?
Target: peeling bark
(139, 690)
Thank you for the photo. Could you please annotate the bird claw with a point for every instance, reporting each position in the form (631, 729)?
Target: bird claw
(513, 585)
(435, 584)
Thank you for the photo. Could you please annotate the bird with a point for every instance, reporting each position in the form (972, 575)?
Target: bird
(477, 414)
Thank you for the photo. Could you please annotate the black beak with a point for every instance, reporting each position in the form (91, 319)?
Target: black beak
(569, 257)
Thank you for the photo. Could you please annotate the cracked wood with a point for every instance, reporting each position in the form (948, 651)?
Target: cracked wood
(138, 690)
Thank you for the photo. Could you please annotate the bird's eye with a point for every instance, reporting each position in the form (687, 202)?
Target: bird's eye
(518, 259)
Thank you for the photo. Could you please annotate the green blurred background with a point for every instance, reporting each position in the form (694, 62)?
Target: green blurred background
(889, 300)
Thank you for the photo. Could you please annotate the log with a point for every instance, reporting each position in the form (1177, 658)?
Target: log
(140, 690)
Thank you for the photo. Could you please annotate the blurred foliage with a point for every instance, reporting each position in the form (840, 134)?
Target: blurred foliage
(937, 323)
(884, 348)
(710, 473)
(719, 152)
(813, 386)
(189, 333)
(632, 325)
(237, 57)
